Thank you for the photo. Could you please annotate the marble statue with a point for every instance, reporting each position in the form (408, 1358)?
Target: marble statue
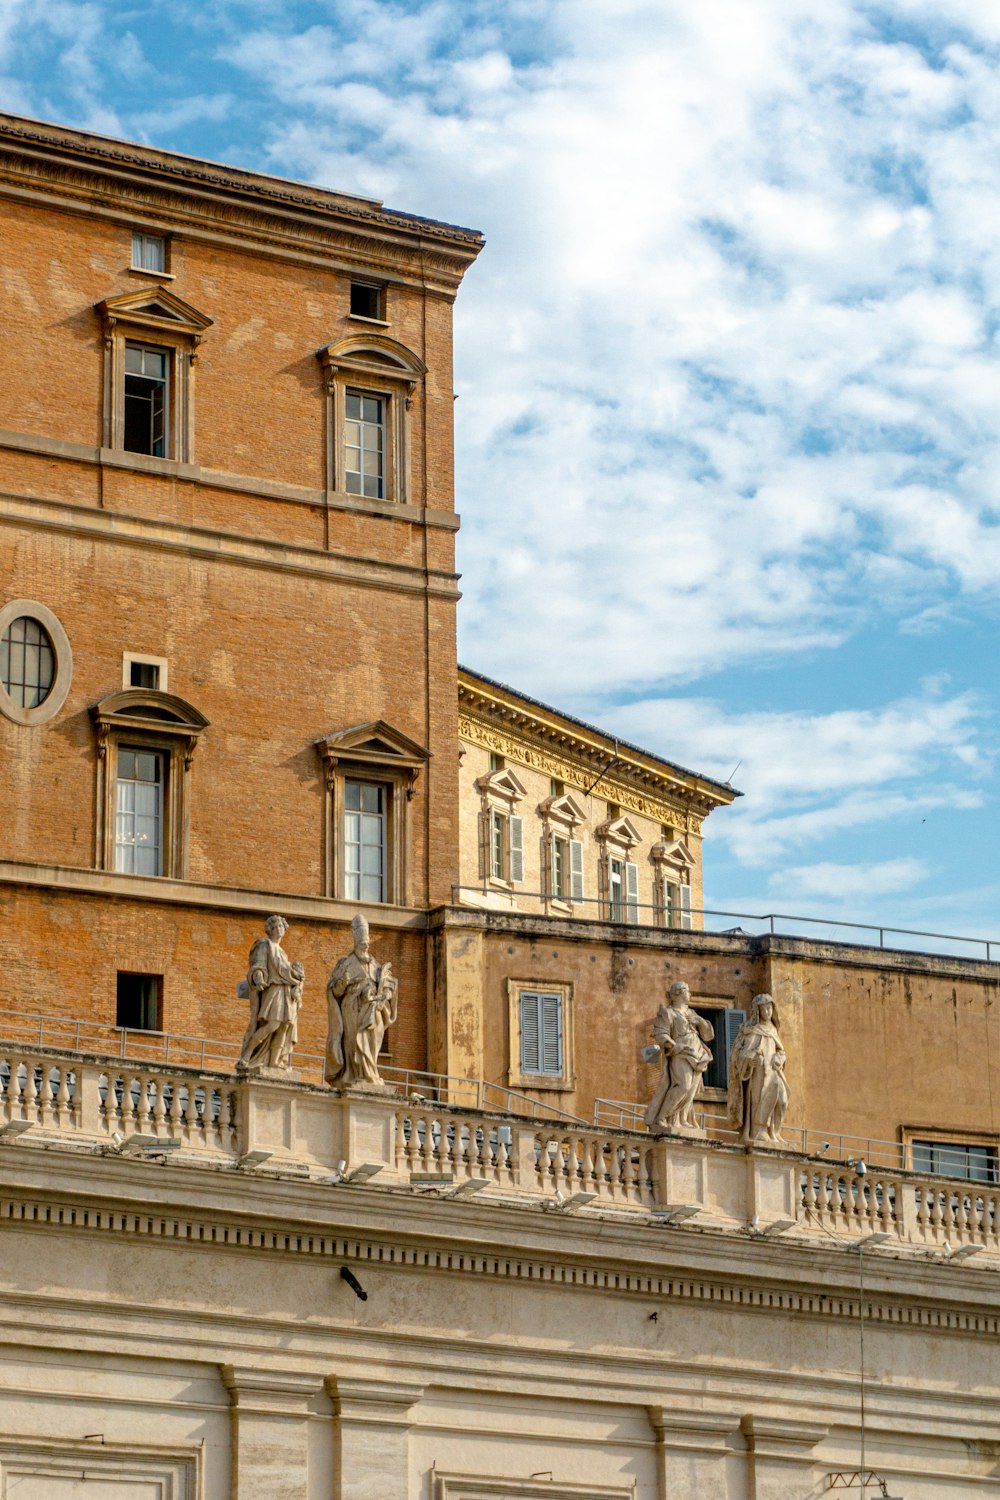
(274, 989)
(681, 1036)
(361, 997)
(758, 1093)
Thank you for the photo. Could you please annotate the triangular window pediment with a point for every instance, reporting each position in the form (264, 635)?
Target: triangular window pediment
(562, 809)
(377, 742)
(155, 309)
(502, 783)
(619, 831)
(673, 852)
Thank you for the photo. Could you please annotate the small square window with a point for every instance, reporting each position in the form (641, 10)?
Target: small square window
(497, 762)
(149, 252)
(144, 674)
(367, 301)
(138, 1004)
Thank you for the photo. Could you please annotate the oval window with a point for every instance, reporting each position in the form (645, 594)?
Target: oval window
(27, 662)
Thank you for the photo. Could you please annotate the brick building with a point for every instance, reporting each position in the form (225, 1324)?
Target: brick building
(229, 687)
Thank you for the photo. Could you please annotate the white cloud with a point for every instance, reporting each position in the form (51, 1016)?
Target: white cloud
(851, 883)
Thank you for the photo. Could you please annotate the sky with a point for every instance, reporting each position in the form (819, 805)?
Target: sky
(728, 428)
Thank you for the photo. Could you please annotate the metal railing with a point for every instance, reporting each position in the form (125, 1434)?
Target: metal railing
(207, 1055)
(621, 913)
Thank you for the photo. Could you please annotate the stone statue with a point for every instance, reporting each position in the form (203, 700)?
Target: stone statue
(274, 989)
(758, 1093)
(361, 997)
(681, 1036)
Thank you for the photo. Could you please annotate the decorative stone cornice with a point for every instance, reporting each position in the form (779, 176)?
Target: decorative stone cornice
(501, 719)
(766, 1293)
(121, 178)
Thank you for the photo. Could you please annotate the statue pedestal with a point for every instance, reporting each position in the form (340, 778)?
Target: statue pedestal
(314, 1127)
(270, 1075)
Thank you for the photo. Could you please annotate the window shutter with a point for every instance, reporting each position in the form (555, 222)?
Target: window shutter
(576, 869)
(516, 848)
(551, 1006)
(733, 1021)
(685, 895)
(530, 1034)
(631, 892)
(484, 845)
(549, 880)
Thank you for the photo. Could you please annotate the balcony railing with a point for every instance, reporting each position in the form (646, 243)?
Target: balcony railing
(783, 924)
(51, 1096)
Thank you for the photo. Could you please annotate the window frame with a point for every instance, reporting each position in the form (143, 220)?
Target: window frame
(166, 384)
(377, 366)
(723, 1017)
(376, 753)
(615, 839)
(150, 720)
(942, 1139)
(387, 843)
(562, 817)
(62, 677)
(144, 237)
(154, 318)
(380, 290)
(517, 1077)
(500, 792)
(158, 999)
(673, 864)
(142, 659)
(160, 782)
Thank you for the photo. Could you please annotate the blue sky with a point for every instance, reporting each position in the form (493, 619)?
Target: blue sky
(728, 452)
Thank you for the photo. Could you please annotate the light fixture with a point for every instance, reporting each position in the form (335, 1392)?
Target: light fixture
(141, 1145)
(359, 1174)
(868, 1243)
(346, 1274)
(469, 1186)
(778, 1226)
(254, 1159)
(560, 1203)
(964, 1251)
(14, 1128)
(673, 1213)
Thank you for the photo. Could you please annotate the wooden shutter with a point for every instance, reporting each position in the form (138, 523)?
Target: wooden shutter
(685, 895)
(516, 826)
(575, 870)
(631, 892)
(530, 1033)
(551, 1008)
(484, 845)
(733, 1021)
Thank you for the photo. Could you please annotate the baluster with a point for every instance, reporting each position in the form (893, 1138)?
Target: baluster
(442, 1145)
(45, 1095)
(923, 1211)
(401, 1141)
(64, 1110)
(127, 1109)
(227, 1121)
(159, 1106)
(142, 1116)
(808, 1193)
(175, 1112)
(29, 1091)
(889, 1191)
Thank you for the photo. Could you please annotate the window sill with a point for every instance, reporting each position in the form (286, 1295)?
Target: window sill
(544, 1083)
(156, 275)
(369, 322)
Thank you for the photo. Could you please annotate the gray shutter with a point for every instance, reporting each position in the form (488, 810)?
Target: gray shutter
(516, 826)
(685, 894)
(733, 1021)
(484, 845)
(575, 870)
(530, 1033)
(551, 1007)
(631, 892)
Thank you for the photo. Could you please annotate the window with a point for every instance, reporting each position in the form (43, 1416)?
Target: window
(725, 1023)
(151, 339)
(506, 846)
(36, 664)
(140, 784)
(148, 672)
(365, 842)
(618, 876)
(147, 400)
(27, 662)
(676, 904)
(563, 854)
(149, 252)
(138, 1003)
(497, 762)
(541, 1033)
(501, 830)
(367, 301)
(974, 1163)
(623, 890)
(364, 445)
(371, 772)
(146, 743)
(370, 383)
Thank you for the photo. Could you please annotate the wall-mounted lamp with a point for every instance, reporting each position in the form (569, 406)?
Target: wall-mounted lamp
(14, 1128)
(559, 1203)
(346, 1274)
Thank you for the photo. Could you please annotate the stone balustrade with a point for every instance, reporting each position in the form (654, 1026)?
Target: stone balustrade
(271, 1125)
